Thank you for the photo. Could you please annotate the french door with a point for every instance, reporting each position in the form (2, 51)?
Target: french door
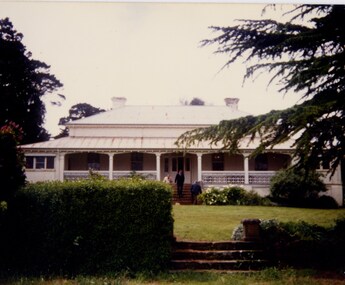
(181, 163)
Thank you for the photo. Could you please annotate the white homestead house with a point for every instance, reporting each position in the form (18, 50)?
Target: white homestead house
(142, 139)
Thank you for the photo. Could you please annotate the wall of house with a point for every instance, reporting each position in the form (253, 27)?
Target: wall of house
(149, 161)
(193, 168)
(335, 191)
(275, 161)
(278, 161)
(41, 175)
(122, 162)
(79, 161)
(129, 131)
(76, 161)
(231, 162)
(234, 162)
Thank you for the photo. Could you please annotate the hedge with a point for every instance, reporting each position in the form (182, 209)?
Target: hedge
(88, 227)
(300, 244)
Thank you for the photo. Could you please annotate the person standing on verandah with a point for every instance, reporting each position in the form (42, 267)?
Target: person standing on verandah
(179, 180)
(167, 179)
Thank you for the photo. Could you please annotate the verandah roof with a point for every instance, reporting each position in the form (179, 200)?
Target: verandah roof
(123, 143)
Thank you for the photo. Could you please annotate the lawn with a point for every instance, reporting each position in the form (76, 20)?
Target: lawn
(214, 223)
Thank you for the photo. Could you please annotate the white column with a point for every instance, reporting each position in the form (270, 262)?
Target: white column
(199, 155)
(158, 166)
(111, 166)
(246, 168)
(57, 166)
(61, 166)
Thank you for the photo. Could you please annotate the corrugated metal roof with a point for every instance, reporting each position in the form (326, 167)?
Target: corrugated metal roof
(186, 116)
(101, 143)
(163, 115)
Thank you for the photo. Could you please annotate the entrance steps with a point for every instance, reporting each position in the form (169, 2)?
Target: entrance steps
(218, 256)
(187, 197)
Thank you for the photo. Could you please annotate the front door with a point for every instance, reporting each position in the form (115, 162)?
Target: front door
(181, 163)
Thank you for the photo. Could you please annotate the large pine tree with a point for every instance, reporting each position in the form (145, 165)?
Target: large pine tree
(76, 112)
(306, 54)
(23, 83)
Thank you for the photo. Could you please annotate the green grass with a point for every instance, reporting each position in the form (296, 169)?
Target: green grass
(217, 222)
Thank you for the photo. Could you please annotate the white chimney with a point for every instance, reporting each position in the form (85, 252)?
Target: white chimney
(118, 101)
(232, 103)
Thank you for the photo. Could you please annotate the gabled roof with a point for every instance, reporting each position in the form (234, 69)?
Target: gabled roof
(162, 115)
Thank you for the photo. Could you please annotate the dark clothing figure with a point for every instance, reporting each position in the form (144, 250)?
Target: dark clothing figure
(195, 191)
(179, 180)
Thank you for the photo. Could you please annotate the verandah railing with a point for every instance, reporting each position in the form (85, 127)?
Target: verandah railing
(83, 174)
(236, 177)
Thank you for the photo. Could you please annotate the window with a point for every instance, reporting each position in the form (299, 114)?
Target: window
(166, 165)
(50, 162)
(218, 161)
(137, 161)
(261, 162)
(39, 162)
(29, 162)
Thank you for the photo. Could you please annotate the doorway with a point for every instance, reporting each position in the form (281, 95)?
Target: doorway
(174, 163)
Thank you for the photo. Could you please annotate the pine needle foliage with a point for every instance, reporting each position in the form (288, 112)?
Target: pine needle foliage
(305, 55)
(24, 82)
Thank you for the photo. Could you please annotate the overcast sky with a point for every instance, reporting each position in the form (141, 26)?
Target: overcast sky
(147, 52)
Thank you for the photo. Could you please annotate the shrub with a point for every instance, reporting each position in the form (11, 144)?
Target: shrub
(296, 187)
(90, 227)
(234, 195)
(325, 202)
(213, 196)
(238, 233)
(303, 244)
(12, 174)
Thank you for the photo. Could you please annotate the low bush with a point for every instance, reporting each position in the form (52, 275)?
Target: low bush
(238, 233)
(296, 187)
(234, 195)
(89, 227)
(301, 244)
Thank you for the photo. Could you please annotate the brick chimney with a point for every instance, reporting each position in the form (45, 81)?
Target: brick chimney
(232, 103)
(118, 101)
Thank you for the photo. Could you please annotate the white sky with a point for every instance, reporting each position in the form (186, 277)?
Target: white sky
(147, 52)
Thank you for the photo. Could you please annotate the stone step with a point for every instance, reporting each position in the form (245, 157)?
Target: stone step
(218, 245)
(220, 256)
(182, 201)
(183, 254)
(186, 199)
(218, 264)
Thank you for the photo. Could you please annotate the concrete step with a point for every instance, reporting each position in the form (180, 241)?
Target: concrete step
(182, 254)
(218, 245)
(219, 256)
(187, 197)
(218, 264)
